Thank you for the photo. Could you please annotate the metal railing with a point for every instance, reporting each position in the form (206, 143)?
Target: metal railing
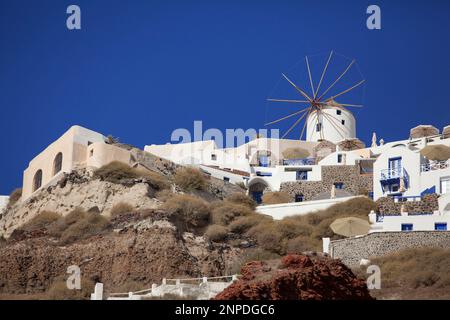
(434, 165)
(392, 173)
(299, 162)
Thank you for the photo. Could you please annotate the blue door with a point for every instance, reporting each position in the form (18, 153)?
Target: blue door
(257, 196)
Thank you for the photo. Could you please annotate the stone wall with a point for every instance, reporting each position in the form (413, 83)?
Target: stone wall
(428, 204)
(353, 181)
(352, 250)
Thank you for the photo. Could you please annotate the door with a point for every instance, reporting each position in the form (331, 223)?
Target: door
(395, 166)
(445, 185)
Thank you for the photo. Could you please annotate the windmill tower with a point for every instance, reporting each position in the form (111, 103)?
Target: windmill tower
(333, 123)
(323, 117)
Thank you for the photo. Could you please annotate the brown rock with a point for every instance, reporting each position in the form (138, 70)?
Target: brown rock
(299, 277)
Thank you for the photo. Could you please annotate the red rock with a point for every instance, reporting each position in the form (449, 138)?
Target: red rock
(299, 277)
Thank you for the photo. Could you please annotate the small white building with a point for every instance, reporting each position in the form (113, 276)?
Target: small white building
(436, 221)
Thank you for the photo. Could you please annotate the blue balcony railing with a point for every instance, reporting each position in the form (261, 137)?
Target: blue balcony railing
(299, 162)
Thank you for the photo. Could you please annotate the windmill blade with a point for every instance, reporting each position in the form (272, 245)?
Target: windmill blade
(286, 117)
(337, 80)
(323, 74)
(342, 104)
(295, 123)
(347, 90)
(287, 100)
(297, 88)
(310, 77)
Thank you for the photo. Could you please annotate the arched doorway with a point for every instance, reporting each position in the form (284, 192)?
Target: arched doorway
(256, 189)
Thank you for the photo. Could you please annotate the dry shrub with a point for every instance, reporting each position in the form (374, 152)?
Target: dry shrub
(59, 291)
(295, 153)
(15, 196)
(414, 268)
(242, 224)
(216, 232)
(188, 212)
(163, 195)
(190, 179)
(275, 197)
(118, 172)
(90, 225)
(121, 208)
(78, 225)
(227, 212)
(243, 199)
(291, 228)
(300, 244)
(42, 221)
(256, 254)
(268, 237)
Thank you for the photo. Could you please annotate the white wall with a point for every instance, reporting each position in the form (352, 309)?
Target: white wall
(220, 174)
(420, 222)
(280, 211)
(332, 128)
(3, 202)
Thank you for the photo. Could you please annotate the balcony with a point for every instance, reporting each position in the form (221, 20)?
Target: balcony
(434, 165)
(394, 176)
(299, 162)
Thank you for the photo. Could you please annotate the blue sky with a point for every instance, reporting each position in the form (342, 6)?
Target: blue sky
(140, 69)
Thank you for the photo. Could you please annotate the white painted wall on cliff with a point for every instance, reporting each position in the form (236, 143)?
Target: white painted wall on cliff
(280, 211)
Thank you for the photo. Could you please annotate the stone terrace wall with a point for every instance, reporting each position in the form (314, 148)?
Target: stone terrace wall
(428, 204)
(354, 182)
(352, 250)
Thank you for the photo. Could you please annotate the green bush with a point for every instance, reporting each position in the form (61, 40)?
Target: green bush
(216, 232)
(227, 212)
(275, 197)
(42, 221)
(190, 211)
(121, 208)
(240, 198)
(190, 179)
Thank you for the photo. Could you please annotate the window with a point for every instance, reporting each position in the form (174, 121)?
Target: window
(299, 198)
(318, 127)
(339, 185)
(339, 159)
(91, 153)
(37, 180)
(394, 188)
(263, 161)
(301, 175)
(445, 185)
(226, 179)
(395, 165)
(57, 163)
(440, 226)
(213, 157)
(343, 122)
(407, 227)
(338, 112)
(89, 143)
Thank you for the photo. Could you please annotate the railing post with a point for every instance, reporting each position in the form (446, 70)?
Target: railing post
(98, 292)
(205, 279)
(164, 281)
